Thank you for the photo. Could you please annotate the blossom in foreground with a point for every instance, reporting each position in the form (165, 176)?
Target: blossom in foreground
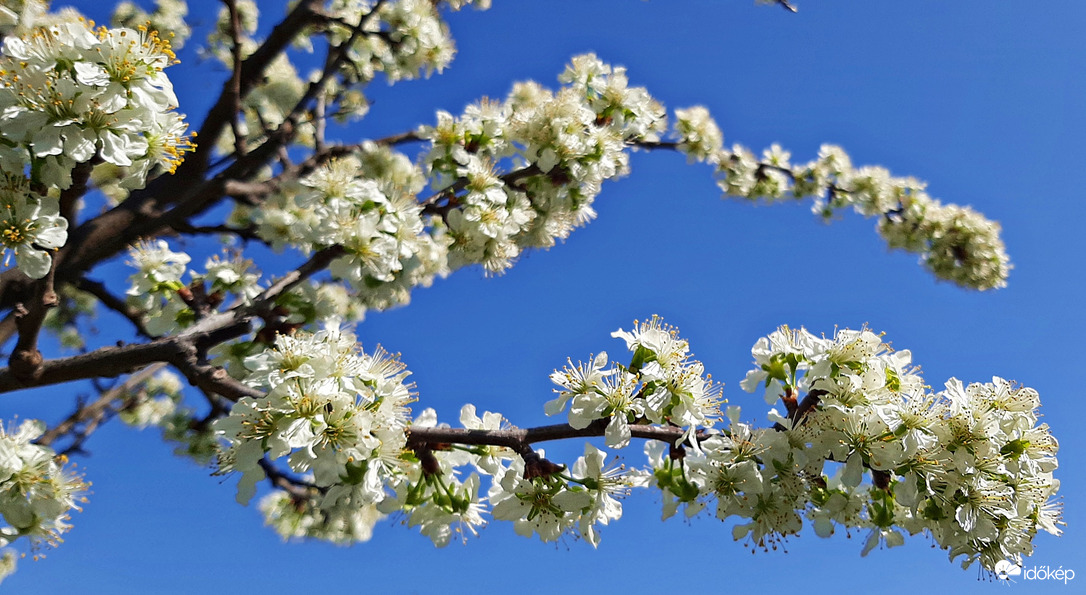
(970, 464)
(71, 96)
(37, 493)
(544, 505)
(662, 385)
(862, 444)
(30, 227)
(334, 413)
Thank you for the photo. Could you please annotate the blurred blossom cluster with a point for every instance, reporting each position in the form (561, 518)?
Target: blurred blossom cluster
(37, 491)
(955, 243)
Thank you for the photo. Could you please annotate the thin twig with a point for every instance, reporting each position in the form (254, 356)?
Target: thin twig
(252, 71)
(296, 487)
(316, 263)
(787, 6)
(235, 77)
(89, 415)
(118, 305)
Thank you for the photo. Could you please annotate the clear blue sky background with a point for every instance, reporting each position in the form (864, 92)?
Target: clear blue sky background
(984, 100)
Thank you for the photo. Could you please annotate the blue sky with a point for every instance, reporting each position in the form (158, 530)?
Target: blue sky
(985, 101)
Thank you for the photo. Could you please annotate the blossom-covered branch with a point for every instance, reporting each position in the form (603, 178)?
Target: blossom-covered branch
(969, 465)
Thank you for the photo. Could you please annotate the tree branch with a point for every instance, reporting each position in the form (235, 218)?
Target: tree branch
(521, 439)
(787, 6)
(294, 486)
(251, 71)
(26, 361)
(432, 205)
(234, 83)
(245, 233)
(211, 379)
(118, 305)
(88, 416)
(316, 263)
(110, 362)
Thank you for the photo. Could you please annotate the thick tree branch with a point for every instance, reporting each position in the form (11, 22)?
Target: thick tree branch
(211, 379)
(26, 361)
(185, 350)
(144, 213)
(398, 139)
(109, 362)
(69, 197)
(245, 233)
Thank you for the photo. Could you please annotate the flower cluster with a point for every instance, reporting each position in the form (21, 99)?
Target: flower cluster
(552, 504)
(424, 485)
(557, 149)
(432, 493)
(956, 243)
(70, 96)
(30, 224)
(338, 415)
(154, 401)
(155, 285)
(295, 516)
(969, 465)
(564, 145)
(70, 93)
(340, 421)
(19, 16)
(166, 303)
(221, 38)
(366, 205)
(662, 385)
(8, 562)
(36, 492)
(401, 38)
(168, 19)
(315, 303)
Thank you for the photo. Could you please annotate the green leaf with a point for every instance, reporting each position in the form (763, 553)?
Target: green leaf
(641, 356)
